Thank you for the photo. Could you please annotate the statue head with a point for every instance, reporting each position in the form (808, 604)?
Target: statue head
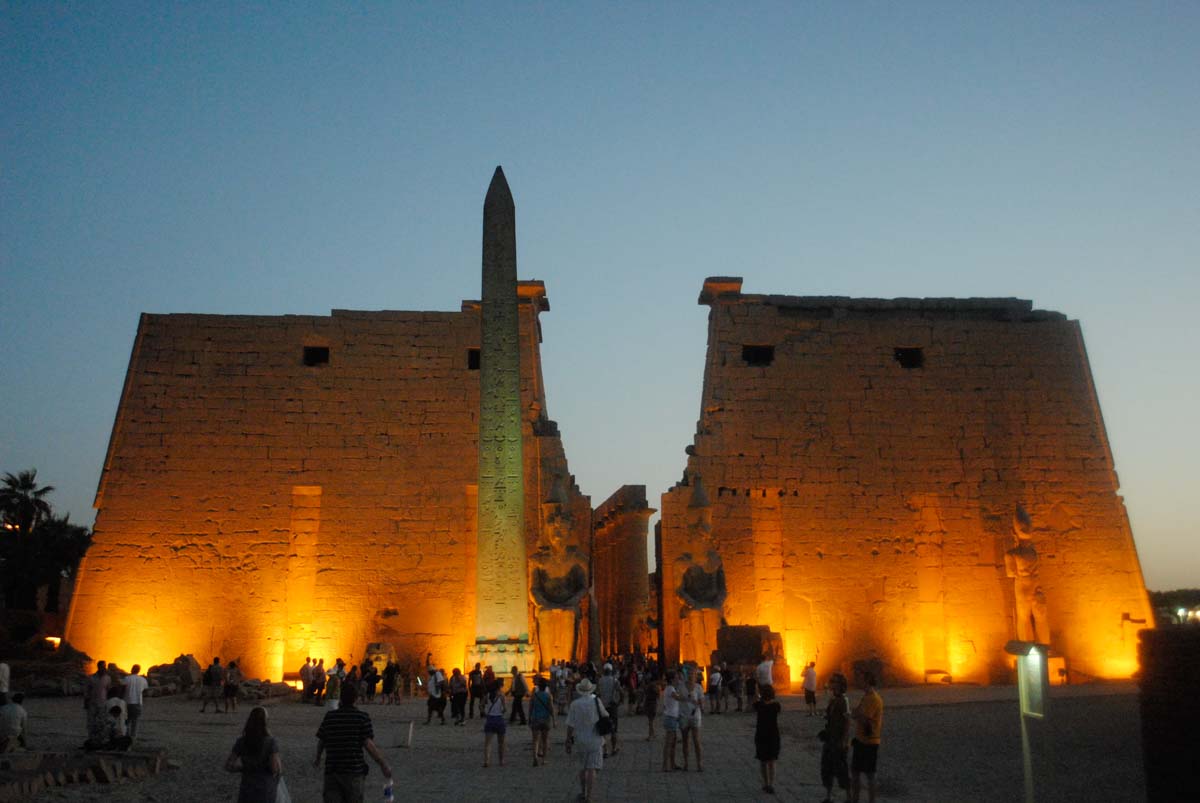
(699, 509)
(557, 516)
(1022, 525)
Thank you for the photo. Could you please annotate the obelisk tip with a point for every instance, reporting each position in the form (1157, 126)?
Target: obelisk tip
(498, 193)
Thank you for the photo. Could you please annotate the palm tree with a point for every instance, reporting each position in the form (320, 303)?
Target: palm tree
(22, 502)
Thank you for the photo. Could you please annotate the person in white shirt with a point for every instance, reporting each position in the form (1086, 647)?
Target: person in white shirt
(135, 687)
(14, 723)
(715, 678)
(691, 710)
(763, 674)
(810, 688)
(671, 697)
(582, 737)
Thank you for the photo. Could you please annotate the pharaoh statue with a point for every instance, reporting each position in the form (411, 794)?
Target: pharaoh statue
(1021, 564)
(701, 582)
(558, 580)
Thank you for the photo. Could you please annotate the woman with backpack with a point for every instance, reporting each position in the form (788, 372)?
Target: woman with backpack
(541, 720)
(256, 756)
(493, 723)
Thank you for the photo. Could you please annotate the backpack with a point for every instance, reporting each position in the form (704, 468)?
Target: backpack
(604, 725)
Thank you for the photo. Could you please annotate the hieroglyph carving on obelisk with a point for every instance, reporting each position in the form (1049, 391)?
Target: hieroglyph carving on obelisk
(502, 608)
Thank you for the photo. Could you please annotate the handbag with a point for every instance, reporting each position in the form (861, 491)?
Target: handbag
(281, 792)
(604, 725)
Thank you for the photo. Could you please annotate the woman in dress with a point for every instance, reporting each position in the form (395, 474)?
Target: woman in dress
(691, 712)
(493, 723)
(766, 737)
(256, 756)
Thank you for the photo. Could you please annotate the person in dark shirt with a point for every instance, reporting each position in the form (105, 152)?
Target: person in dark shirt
(342, 737)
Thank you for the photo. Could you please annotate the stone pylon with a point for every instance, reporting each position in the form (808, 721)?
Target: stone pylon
(502, 610)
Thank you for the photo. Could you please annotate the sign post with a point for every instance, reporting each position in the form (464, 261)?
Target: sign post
(1033, 686)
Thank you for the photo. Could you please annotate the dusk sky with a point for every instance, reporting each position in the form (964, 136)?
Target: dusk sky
(295, 158)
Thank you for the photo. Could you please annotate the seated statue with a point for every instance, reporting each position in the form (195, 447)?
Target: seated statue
(701, 583)
(558, 582)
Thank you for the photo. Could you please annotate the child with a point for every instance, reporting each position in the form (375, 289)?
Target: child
(766, 736)
(651, 689)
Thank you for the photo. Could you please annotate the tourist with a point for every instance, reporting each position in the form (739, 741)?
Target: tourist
(764, 672)
(391, 674)
(650, 692)
(319, 680)
(306, 684)
(608, 691)
(714, 690)
(95, 698)
(766, 737)
(493, 723)
(541, 720)
(868, 721)
(810, 688)
(476, 689)
(343, 736)
(135, 688)
(458, 696)
(736, 685)
(333, 690)
(370, 680)
(562, 691)
(517, 691)
(835, 739)
(233, 681)
(112, 730)
(671, 696)
(211, 685)
(255, 755)
(582, 717)
(692, 709)
(14, 723)
(436, 695)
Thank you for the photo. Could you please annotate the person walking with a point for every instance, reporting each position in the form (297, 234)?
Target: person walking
(306, 680)
(650, 690)
(318, 681)
(212, 684)
(810, 688)
(541, 720)
(692, 710)
(477, 691)
(233, 680)
(95, 701)
(342, 737)
(766, 737)
(868, 721)
(135, 687)
(608, 691)
(435, 688)
(672, 697)
(458, 697)
(517, 691)
(583, 739)
(255, 755)
(836, 739)
(494, 724)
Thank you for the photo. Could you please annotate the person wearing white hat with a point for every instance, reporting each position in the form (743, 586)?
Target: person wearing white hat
(583, 738)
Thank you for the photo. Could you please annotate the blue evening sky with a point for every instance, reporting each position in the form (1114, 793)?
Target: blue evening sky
(293, 158)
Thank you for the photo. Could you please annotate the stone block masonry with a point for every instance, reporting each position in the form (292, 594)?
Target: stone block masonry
(284, 486)
(864, 458)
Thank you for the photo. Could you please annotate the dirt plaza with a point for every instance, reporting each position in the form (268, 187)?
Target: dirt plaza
(941, 744)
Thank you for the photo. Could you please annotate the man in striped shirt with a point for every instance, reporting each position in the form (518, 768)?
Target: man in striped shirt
(344, 733)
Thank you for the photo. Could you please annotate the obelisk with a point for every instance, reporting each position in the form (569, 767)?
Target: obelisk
(501, 585)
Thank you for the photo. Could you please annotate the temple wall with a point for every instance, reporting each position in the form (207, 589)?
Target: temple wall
(620, 568)
(255, 507)
(863, 508)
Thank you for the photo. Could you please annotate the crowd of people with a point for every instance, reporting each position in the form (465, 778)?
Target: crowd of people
(593, 699)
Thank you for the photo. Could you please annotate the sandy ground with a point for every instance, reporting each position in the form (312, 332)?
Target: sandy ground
(940, 744)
